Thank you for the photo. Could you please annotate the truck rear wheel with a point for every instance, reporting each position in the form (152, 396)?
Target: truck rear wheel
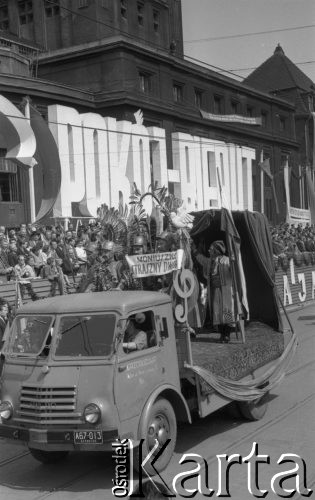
(48, 457)
(254, 410)
(159, 424)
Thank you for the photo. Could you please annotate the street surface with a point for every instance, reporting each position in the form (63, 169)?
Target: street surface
(287, 427)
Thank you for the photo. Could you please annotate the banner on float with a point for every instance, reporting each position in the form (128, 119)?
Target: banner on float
(246, 120)
(155, 264)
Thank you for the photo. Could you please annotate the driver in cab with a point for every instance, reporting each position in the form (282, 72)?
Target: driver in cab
(135, 339)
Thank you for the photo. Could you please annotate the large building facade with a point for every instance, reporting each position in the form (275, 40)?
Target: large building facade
(89, 66)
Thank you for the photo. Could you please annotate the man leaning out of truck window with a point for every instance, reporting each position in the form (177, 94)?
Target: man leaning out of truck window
(135, 339)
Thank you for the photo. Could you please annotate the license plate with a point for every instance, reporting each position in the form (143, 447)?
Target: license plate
(88, 437)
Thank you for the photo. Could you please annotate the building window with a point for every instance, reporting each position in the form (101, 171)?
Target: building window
(4, 15)
(156, 21)
(264, 119)
(140, 9)
(52, 9)
(282, 124)
(123, 9)
(234, 107)
(310, 100)
(25, 11)
(217, 104)
(178, 92)
(249, 111)
(83, 3)
(9, 181)
(198, 98)
(145, 82)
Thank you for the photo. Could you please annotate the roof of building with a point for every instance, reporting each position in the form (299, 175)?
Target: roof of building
(123, 302)
(279, 73)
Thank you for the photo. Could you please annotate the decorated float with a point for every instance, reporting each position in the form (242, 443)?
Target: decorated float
(201, 288)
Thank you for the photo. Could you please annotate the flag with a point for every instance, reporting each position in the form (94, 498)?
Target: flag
(265, 166)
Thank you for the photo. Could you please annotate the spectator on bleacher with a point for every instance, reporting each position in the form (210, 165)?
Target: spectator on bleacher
(12, 233)
(46, 236)
(5, 268)
(309, 244)
(23, 273)
(300, 244)
(81, 255)
(40, 258)
(23, 247)
(277, 246)
(53, 272)
(55, 250)
(70, 262)
(12, 254)
(22, 270)
(23, 231)
(4, 318)
(29, 228)
(35, 236)
(68, 236)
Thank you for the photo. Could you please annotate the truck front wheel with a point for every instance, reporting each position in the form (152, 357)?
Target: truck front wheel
(48, 457)
(158, 425)
(254, 410)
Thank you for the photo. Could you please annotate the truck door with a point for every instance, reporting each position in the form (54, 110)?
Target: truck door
(138, 370)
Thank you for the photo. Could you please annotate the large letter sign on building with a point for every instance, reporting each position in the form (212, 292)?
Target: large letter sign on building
(102, 157)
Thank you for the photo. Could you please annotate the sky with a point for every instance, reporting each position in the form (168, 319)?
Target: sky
(204, 19)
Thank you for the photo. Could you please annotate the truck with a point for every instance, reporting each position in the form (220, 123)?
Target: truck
(69, 383)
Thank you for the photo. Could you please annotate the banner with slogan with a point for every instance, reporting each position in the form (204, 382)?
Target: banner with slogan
(154, 264)
(246, 120)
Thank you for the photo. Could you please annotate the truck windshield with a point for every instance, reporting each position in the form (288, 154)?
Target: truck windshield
(88, 335)
(29, 334)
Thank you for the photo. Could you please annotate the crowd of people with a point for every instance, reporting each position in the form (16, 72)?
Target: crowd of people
(288, 238)
(30, 252)
(296, 242)
(81, 259)
(85, 259)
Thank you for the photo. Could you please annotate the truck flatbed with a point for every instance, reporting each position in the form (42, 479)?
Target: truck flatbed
(235, 360)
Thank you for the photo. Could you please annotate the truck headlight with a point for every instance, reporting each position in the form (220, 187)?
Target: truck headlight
(6, 410)
(92, 413)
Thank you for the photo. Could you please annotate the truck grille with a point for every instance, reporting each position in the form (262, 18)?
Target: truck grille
(48, 405)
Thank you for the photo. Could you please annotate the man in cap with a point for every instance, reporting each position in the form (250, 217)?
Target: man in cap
(127, 279)
(135, 339)
(138, 245)
(106, 274)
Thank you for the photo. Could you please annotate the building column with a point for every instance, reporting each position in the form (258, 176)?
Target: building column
(262, 185)
(65, 24)
(39, 22)
(14, 20)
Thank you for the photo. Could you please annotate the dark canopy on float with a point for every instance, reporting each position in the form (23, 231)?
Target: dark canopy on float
(250, 229)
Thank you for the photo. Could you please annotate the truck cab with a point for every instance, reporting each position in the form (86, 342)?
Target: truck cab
(70, 383)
